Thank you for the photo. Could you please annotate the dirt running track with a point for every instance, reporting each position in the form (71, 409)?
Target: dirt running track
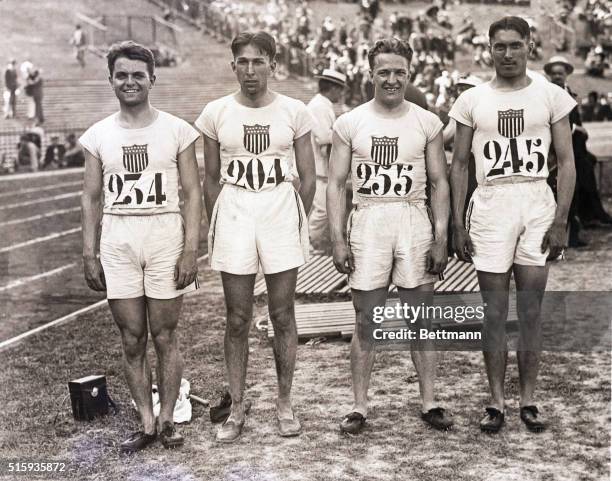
(41, 276)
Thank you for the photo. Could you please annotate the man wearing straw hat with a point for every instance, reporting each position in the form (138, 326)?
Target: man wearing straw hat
(321, 108)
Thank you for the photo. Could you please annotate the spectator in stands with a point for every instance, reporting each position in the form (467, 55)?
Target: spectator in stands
(595, 62)
(331, 89)
(79, 42)
(10, 90)
(596, 108)
(29, 150)
(73, 156)
(34, 91)
(558, 69)
(54, 155)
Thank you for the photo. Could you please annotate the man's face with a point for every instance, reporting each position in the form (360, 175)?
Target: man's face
(131, 81)
(558, 75)
(252, 68)
(390, 76)
(336, 93)
(509, 52)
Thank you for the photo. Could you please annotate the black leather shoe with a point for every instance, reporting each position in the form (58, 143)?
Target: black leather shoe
(438, 418)
(352, 423)
(529, 415)
(169, 437)
(493, 421)
(137, 441)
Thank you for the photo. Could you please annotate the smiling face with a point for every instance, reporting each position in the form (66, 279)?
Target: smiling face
(509, 51)
(131, 81)
(390, 75)
(252, 68)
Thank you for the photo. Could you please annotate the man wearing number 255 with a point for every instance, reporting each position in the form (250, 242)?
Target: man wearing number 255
(251, 138)
(148, 254)
(393, 149)
(512, 222)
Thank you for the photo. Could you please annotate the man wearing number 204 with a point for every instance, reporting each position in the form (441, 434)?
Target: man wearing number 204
(254, 141)
(393, 149)
(135, 158)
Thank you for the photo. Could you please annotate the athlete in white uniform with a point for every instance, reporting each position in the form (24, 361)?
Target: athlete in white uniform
(512, 223)
(252, 139)
(392, 148)
(135, 159)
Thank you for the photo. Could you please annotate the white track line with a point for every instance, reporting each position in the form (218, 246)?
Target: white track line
(34, 175)
(62, 320)
(39, 239)
(40, 189)
(57, 322)
(40, 201)
(26, 280)
(40, 216)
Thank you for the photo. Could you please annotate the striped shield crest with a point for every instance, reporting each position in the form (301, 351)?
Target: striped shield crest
(135, 158)
(384, 150)
(256, 138)
(510, 123)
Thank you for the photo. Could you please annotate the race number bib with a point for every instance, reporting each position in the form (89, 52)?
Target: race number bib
(257, 174)
(138, 191)
(383, 180)
(522, 156)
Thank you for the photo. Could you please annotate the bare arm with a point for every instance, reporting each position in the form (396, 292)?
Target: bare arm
(339, 168)
(91, 212)
(459, 180)
(555, 237)
(186, 267)
(440, 203)
(304, 161)
(212, 174)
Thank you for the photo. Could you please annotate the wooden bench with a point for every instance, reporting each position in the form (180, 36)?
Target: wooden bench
(337, 319)
(459, 276)
(319, 276)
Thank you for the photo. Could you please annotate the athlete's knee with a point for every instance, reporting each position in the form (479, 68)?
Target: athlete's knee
(134, 345)
(283, 316)
(528, 312)
(164, 338)
(238, 321)
(496, 313)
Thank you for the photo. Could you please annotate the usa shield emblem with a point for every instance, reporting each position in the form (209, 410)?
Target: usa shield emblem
(256, 138)
(510, 123)
(384, 150)
(135, 158)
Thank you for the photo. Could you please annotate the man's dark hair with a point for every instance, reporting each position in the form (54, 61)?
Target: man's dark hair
(263, 41)
(390, 45)
(517, 24)
(326, 85)
(131, 50)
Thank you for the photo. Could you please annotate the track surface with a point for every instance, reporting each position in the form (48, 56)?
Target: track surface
(41, 276)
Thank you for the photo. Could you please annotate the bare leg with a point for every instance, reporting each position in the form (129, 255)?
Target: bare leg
(163, 319)
(239, 303)
(362, 345)
(130, 316)
(530, 284)
(281, 293)
(494, 289)
(423, 352)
